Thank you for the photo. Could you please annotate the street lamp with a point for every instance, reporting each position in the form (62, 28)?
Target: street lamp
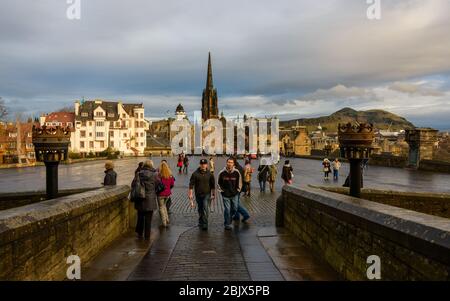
(51, 146)
(355, 142)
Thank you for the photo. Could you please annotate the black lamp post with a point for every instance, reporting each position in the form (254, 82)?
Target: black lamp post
(355, 142)
(51, 146)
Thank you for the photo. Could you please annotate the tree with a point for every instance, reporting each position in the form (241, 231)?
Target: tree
(3, 111)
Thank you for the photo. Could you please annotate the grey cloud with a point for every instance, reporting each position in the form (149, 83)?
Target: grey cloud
(415, 89)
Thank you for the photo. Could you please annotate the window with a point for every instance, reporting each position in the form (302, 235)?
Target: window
(124, 115)
(31, 155)
(100, 123)
(91, 144)
(99, 134)
(102, 144)
(99, 114)
(90, 123)
(142, 115)
(83, 134)
(111, 144)
(82, 144)
(30, 134)
(69, 124)
(84, 114)
(136, 124)
(30, 145)
(111, 134)
(90, 134)
(12, 135)
(124, 135)
(111, 115)
(142, 143)
(142, 134)
(118, 124)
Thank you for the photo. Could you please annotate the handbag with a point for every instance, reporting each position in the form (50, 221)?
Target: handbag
(138, 189)
(160, 187)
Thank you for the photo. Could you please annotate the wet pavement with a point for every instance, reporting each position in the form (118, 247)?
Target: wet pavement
(90, 174)
(257, 251)
(183, 252)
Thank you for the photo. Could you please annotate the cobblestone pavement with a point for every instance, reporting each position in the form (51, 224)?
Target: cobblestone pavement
(215, 254)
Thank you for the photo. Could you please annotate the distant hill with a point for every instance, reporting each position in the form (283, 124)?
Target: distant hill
(379, 118)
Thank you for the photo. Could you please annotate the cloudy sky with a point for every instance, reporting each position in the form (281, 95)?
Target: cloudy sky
(291, 58)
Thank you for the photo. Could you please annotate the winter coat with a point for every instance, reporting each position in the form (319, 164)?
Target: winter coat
(248, 173)
(202, 182)
(168, 184)
(263, 171)
(110, 178)
(286, 174)
(149, 178)
(230, 183)
(272, 173)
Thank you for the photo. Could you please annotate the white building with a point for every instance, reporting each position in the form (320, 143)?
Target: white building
(102, 124)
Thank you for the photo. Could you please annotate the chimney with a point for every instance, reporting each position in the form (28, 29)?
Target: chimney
(77, 108)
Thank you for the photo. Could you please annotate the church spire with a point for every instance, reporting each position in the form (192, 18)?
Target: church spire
(209, 79)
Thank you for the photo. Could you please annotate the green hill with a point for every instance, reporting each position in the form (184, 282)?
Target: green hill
(379, 118)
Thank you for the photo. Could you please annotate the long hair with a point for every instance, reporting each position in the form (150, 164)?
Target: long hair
(164, 170)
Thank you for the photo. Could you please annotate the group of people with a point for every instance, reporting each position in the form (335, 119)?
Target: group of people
(183, 163)
(331, 166)
(151, 189)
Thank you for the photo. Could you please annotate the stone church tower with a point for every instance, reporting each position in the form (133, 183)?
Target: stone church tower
(210, 108)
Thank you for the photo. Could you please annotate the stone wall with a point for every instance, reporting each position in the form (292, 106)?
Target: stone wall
(345, 231)
(429, 203)
(388, 161)
(17, 199)
(36, 239)
(436, 166)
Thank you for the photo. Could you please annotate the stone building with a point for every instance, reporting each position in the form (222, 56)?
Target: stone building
(16, 144)
(295, 141)
(101, 124)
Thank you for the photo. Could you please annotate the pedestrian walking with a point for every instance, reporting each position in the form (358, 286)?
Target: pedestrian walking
(211, 164)
(336, 165)
(180, 163)
(147, 180)
(185, 164)
(263, 171)
(229, 185)
(110, 175)
(272, 177)
(241, 210)
(203, 184)
(287, 174)
(165, 175)
(326, 168)
(248, 171)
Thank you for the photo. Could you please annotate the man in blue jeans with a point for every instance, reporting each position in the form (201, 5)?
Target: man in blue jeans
(202, 181)
(241, 209)
(230, 185)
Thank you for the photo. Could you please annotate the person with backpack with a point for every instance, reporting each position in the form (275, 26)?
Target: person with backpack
(263, 171)
(165, 175)
(144, 196)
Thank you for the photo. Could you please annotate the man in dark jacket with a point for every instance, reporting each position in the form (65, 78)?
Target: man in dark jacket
(145, 207)
(202, 181)
(230, 185)
(110, 175)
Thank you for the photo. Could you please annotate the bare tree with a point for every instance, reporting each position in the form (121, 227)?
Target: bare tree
(3, 111)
